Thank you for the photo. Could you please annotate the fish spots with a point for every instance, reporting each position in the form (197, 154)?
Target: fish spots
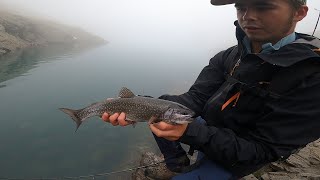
(126, 93)
(137, 108)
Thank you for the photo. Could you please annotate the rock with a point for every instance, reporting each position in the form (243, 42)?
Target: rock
(139, 175)
(298, 161)
(249, 177)
(276, 176)
(147, 159)
(316, 143)
(315, 155)
(4, 51)
(310, 176)
(2, 28)
(155, 167)
(17, 32)
(302, 165)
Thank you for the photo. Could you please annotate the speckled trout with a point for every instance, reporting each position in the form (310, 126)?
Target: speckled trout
(137, 109)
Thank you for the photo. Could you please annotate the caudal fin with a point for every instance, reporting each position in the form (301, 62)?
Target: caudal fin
(73, 114)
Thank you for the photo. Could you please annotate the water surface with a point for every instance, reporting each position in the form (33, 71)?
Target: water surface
(38, 140)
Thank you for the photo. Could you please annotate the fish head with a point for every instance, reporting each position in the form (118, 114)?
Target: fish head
(178, 115)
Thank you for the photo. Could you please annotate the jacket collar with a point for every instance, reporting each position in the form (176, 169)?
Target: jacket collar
(304, 47)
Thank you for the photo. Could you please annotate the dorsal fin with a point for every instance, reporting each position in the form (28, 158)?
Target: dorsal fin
(126, 93)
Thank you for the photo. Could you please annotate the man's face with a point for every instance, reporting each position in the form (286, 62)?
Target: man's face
(266, 20)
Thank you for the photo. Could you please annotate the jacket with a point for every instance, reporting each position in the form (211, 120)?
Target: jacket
(250, 122)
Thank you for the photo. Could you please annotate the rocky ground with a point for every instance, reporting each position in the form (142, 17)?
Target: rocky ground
(17, 32)
(303, 165)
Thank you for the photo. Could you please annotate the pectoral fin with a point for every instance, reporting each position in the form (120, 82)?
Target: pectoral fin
(132, 122)
(154, 120)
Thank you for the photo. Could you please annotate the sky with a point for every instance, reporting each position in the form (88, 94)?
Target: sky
(149, 22)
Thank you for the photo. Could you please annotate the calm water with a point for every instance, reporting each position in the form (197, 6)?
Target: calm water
(38, 140)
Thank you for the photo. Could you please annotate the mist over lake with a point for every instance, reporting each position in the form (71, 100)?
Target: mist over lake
(38, 140)
(154, 47)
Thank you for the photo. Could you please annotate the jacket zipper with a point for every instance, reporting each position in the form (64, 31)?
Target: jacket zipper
(235, 66)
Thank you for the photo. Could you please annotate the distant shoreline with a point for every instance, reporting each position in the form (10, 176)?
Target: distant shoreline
(19, 32)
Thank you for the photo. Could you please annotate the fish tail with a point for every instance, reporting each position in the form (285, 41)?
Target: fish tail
(73, 114)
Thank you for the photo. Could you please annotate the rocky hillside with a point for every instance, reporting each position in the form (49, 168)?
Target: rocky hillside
(18, 32)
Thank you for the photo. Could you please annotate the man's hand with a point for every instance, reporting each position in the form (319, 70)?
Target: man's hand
(168, 131)
(116, 119)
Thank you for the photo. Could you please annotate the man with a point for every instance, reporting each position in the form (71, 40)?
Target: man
(260, 99)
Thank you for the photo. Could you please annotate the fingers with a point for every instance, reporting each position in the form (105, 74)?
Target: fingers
(122, 120)
(105, 117)
(163, 134)
(156, 131)
(115, 119)
(161, 129)
(168, 131)
(164, 126)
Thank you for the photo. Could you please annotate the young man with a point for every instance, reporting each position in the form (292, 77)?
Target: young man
(260, 99)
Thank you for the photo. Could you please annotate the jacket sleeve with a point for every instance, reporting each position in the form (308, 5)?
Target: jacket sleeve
(290, 122)
(208, 81)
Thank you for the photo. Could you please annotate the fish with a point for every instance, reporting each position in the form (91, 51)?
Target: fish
(137, 109)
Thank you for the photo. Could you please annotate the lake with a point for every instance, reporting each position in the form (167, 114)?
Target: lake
(38, 140)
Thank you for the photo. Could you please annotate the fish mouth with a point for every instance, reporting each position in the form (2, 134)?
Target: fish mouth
(182, 116)
(183, 119)
(178, 116)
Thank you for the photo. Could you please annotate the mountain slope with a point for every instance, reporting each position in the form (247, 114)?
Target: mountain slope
(18, 32)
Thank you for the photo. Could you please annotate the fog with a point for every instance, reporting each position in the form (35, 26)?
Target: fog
(150, 23)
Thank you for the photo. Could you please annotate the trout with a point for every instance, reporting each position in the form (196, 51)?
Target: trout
(137, 109)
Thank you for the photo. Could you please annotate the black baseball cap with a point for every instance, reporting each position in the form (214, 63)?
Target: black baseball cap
(224, 2)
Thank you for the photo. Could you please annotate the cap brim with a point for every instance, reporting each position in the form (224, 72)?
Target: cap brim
(222, 2)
